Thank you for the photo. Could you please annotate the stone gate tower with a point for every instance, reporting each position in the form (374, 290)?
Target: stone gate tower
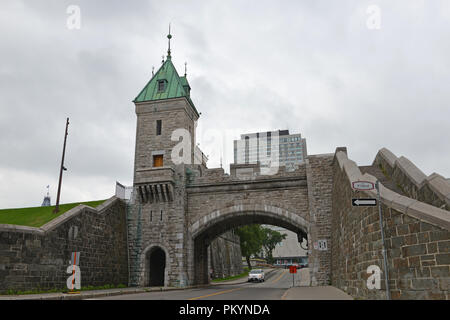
(157, 217)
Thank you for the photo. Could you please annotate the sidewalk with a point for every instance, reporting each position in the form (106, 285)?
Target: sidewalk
(315, 293)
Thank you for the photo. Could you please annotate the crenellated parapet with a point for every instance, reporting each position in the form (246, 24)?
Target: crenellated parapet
(433, 189)
(243, 172)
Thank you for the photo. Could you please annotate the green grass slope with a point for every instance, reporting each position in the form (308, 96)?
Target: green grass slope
(38, 216)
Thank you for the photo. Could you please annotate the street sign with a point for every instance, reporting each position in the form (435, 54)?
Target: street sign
(363, 185)
(293, 269)
(364, 202)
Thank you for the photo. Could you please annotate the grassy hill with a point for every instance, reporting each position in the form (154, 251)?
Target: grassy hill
(38, 216)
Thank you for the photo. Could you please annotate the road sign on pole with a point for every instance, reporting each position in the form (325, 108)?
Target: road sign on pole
(368, 202)
(363, 185)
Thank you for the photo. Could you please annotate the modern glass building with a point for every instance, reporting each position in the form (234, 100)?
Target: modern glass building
(258, 147)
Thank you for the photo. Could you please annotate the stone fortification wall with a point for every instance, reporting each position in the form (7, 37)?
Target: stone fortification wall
(38, 258)
(225, 256)
(242, 172)
(416, 234)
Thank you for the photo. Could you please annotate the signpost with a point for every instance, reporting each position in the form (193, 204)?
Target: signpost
(388, 293)
(366, 186)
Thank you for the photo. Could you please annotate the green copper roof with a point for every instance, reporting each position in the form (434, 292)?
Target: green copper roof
(184, 81)
(173, 85)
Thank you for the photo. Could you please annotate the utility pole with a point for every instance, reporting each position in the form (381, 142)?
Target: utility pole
(386, 271)
(61, 169)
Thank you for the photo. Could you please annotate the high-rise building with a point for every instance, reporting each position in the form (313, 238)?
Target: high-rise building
(258, 147)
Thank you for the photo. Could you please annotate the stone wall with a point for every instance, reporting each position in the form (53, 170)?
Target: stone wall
(417, 241)
(433, 189)
(159, 224)
(37, 258)
(225, 256)
(320, 183)
(298, 200)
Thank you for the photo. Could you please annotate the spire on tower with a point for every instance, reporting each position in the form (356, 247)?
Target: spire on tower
(169, 36)
(185, 69)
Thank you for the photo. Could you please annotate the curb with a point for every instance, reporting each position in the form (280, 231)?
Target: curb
(90, 295)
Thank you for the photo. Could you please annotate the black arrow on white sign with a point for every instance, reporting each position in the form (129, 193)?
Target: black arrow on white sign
(364, 202)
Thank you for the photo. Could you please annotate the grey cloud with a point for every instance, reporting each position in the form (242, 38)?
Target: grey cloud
(310, 67)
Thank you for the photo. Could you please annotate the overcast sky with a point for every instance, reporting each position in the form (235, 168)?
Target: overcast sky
(319, 68)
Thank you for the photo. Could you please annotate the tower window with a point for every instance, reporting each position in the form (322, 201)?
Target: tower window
(161, 85)
(158, 160)
(158, 127)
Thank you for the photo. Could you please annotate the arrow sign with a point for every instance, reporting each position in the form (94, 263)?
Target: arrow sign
(364, 202)
(363, 185)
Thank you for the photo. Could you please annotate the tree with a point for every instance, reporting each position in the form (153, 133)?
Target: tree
(251, 239)
(270, 240)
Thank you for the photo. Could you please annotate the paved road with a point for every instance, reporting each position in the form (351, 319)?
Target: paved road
(277, 286)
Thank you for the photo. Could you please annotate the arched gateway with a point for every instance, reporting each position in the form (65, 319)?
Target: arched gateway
(208, 227)
(181, 205)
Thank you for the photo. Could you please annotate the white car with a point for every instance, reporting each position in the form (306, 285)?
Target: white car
(256, 275)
